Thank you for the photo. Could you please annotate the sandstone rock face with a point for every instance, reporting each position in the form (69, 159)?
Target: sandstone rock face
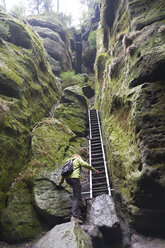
(73, 110)
(101, 213)
(52, 141)
(138, 241)
(19, 221)
(53, 204)
(69, 235)
(28, 89)
(88, 53)
(55, 40)
(131, 98)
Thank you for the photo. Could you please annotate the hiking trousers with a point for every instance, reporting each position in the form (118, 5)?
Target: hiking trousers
(76, 186)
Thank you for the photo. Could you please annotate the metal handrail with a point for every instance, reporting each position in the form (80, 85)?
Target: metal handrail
(91, 194)
(105, 163)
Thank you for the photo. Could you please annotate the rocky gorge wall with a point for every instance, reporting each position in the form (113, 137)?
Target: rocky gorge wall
(39, 128)
(130, 93)
(28, 89)
(55, 40)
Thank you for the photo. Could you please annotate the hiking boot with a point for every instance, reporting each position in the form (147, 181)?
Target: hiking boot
(73, 218)
(76, 220)
(79, 221)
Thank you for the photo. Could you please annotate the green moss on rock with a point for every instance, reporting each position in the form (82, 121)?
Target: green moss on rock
(73, 110)
(28, 90)
(49, 143)
(19, 221)
(129, 94)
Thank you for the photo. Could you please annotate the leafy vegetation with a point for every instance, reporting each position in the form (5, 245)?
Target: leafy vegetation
(3, 4)
(4, 30)
(18, 10)
(89, 3)
(92, 39)
(69, 78)
(86, 13)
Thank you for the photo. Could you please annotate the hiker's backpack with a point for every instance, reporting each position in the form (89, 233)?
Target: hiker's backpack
(67, 169)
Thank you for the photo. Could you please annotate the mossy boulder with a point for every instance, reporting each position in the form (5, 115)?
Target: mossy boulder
(66, 235)
(19, 220)
(130, 95)
(55, 39)
(50, 141)
(53, 203)
(72, 110)
(28, 89)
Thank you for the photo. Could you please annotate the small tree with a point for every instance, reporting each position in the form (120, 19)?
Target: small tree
(89, 3)
(92, 39)
(47, 5)
(66, 19)
(3, 4)
(36, 5)
(4, 30)
(18, 10)
(69, 78)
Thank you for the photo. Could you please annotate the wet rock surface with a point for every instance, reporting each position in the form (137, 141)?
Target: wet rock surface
(55, 40)
(53, 203)
(65, 235)
(72, 110)
(102, 222)
(28, 89)
(102, 213)
(88, 53)
(138, 241)
(19, 221)
(130, 62)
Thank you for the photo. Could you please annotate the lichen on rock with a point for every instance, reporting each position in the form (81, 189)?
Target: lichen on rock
(129, 93)
(72, 110)
(19, 221)
(55, 39)
(28, 89)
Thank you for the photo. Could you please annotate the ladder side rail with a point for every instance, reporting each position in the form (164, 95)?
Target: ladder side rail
(105, 163)
(90, 173)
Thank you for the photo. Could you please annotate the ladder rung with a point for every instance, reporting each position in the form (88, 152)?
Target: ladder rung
(94, 151)
(101, 172)
(95, 138)
(100, 190)
(97, 154)
(95, 141)
(100, 184)
(98, 168)
(98, 159)
(95, 129)
(98, 138)
(95, 133)
(97, 162)
(101, 179)
(96, 144)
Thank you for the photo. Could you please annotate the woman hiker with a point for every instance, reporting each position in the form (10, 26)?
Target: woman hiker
(74, 181)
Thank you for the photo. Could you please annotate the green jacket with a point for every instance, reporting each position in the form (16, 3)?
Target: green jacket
(77, 172)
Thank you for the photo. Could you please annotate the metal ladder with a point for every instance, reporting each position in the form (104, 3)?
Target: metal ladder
(99, 183)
